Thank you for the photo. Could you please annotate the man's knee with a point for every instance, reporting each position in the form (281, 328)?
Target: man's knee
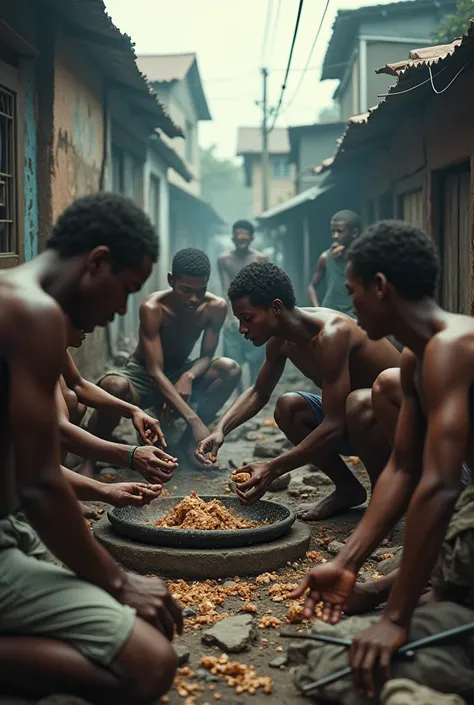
(228, 369)
(286, 408)
(119, 387)
(147, 665)
(387, 389)
(359, 412)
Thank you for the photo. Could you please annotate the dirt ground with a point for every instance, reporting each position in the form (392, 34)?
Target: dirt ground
(191, 687)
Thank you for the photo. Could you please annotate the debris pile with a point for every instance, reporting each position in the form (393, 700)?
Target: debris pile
(237, 675)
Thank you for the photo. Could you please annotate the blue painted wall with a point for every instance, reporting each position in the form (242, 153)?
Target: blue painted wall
(29, 178)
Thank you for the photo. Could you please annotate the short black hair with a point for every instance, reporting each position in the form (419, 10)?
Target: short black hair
(262, 282)
(405, 255)
(243, 225)
(194, 263)
(106, 219)
(352, 220)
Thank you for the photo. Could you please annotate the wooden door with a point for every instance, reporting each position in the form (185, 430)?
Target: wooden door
(456, 241)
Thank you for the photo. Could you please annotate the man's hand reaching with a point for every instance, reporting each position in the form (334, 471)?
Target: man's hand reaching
(253, 489)
(154, 464)
(131, 494)
(208, 449)
(148, 428)
(327, 583)
(153, 603)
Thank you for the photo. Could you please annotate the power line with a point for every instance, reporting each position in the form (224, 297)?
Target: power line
(323, 17)
(266, 31)
(283, 86)
(275, 27)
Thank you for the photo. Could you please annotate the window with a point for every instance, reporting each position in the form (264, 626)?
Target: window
(126, 174)
(189, 142)
(411, 207)
(11, 227)
(154, 201)
(280, 167)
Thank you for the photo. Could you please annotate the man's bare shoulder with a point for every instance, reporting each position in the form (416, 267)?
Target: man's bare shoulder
(332, 322)
(259, 256)
(452, 348)
(215, 304)
(224, 257)
(154, 302)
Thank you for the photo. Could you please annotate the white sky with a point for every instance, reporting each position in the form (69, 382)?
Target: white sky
(227, 36)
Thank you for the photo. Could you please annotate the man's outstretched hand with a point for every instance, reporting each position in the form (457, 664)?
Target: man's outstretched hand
(253, 489)
(148, 428)
(373, 649)
(208, 448)
(327, 583)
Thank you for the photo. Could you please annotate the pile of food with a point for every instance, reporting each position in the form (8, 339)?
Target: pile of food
(194, 513)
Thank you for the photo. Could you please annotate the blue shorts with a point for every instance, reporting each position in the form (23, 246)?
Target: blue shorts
(315, 402)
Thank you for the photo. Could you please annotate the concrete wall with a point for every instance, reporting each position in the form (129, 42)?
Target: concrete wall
(77, 154)
(279, 189)
(379, 54)
(313, 148)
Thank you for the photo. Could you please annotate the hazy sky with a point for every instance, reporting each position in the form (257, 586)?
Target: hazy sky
(227, 36)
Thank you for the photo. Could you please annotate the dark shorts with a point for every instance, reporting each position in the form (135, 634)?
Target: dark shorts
(315, 403)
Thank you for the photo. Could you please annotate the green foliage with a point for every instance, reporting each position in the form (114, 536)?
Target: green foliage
(457, 24)
(222, 185)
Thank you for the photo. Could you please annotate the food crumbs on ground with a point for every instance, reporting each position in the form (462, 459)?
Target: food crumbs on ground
(279, 592)
(241, 477)
(315, 557)
(248, 608)
(266, 578)
(107, 477)
(165, 493)
(384, 556)
(295, 612)
(193, 513)
(217, 696)
(239, 676)
(267, 622)
(279, 649)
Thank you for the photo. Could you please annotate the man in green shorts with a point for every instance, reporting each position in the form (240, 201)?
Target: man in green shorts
(89, 629)
(160, 374)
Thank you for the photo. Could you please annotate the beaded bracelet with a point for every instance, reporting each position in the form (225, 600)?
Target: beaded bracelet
(131, 453)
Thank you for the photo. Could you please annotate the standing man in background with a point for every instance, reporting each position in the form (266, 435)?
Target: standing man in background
(236, 347)
(331, 267)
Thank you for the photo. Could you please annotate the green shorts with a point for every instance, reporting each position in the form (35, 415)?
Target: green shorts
(145, 386)
(40, 599)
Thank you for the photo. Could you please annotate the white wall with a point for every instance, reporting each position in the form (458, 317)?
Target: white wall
(155, 166)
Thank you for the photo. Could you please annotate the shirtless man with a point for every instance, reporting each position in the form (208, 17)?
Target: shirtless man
(152, 463)
(160, 374)
(91, 630)
(392, 275)
(332, 351)
(331, 267)
(229, 264)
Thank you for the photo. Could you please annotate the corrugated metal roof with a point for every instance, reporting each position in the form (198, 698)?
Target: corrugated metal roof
(347, 23)
(413, 86)
(164, 68)
(249, 141)
(311, 194)
(88, 22)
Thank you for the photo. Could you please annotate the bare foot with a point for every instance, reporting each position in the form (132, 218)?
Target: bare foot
(332, 504)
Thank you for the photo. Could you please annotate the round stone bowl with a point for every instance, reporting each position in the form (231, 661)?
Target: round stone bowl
(137, 523)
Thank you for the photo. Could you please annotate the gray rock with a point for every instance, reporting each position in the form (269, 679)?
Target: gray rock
(182, 654)
(279, 661)
(232, 635)
(317, 479)
(280, 484)
(269, 449)
(390, 564)
(205, 677)
(294, 491)
(189, 612)
(334, 547)
(378, 554)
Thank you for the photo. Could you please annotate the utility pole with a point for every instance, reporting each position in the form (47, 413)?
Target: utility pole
(265, 143)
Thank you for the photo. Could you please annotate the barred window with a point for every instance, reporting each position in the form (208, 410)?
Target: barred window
(9, 235)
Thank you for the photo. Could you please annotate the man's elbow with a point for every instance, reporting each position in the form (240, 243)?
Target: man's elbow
(440, 490)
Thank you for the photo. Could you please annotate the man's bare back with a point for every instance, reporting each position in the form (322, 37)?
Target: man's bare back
(179, 329)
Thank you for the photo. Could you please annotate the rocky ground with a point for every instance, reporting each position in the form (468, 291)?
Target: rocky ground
(231, 651)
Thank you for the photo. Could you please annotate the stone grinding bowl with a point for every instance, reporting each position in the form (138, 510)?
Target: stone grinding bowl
(137, 523)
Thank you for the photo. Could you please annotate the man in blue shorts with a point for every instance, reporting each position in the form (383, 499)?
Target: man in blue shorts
(332, 351)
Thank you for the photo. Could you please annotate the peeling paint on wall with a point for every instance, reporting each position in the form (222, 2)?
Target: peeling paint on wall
(29, 178)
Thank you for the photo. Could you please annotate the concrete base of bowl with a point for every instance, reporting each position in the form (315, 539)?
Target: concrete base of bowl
(200, 564)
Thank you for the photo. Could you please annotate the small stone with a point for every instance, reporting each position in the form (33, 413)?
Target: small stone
(182, 654)
(232, 465)
(294, 491)
(189, 612)
(232, 635)
(390, 564)
(205, 676)
(280, 484)
(269, 449)
(228, 584)
(305, 496)
(334, 547)
(279, 661)
(317, 479)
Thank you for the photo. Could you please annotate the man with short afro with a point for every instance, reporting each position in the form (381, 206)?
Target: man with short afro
(229, 265)
(392, 275)
(160, 375)
(333, 352)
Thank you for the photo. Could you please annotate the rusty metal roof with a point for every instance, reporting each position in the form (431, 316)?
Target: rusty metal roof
(439, 65)
(249, 141)
(87, 21)
(346, 26)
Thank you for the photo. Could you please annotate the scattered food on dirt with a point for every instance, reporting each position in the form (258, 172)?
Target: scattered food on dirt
(266, 578)
(239, 676)
(295, 612)
(279, 592)
(248, 607)
(193, 513)
(107, 477)
(268, 622)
